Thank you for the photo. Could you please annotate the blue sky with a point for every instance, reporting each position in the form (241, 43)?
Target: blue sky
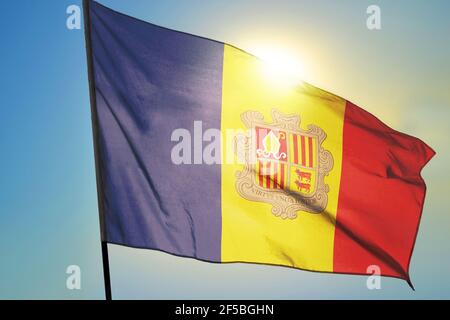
(48, 204)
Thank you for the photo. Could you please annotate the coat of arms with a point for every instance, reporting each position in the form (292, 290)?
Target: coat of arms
(284, 165)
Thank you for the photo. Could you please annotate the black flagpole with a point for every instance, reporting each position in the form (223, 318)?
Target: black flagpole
(90, 63)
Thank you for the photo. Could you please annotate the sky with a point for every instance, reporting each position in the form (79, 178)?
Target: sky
(48, 202)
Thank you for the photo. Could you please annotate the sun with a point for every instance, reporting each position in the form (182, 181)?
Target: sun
(281, 66)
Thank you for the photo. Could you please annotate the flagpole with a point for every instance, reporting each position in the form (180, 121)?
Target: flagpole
(95, 132)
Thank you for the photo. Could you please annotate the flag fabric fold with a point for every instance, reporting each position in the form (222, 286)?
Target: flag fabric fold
(321, 184)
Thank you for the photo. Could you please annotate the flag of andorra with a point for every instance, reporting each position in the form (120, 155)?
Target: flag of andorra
(202, 153)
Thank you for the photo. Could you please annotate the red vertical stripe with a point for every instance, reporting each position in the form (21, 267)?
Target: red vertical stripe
(275, 175)
(310, 144)
(268, 174)
(282, 176)
(295, 143)
(260, 173)
(303, 151)
(381, 196)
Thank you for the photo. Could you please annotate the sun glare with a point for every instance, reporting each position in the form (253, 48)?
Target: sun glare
(284, 68)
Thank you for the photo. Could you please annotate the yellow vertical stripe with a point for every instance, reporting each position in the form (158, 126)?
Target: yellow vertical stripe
(250, 232)
(267, 174)
(314, 148)
(271, 166)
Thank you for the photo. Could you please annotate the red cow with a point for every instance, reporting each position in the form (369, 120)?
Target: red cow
(303, 186)
(306, 176)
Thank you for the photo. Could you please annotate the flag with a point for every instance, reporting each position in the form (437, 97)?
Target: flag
(202, 153)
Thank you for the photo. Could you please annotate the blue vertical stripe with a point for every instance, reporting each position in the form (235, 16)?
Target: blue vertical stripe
(150, 81)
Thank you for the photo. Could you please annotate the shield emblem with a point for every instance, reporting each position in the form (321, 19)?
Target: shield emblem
(285, 160)
(284, 165)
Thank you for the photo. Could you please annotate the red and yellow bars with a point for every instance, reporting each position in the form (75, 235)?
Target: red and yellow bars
(271, 174)
(302, 150)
